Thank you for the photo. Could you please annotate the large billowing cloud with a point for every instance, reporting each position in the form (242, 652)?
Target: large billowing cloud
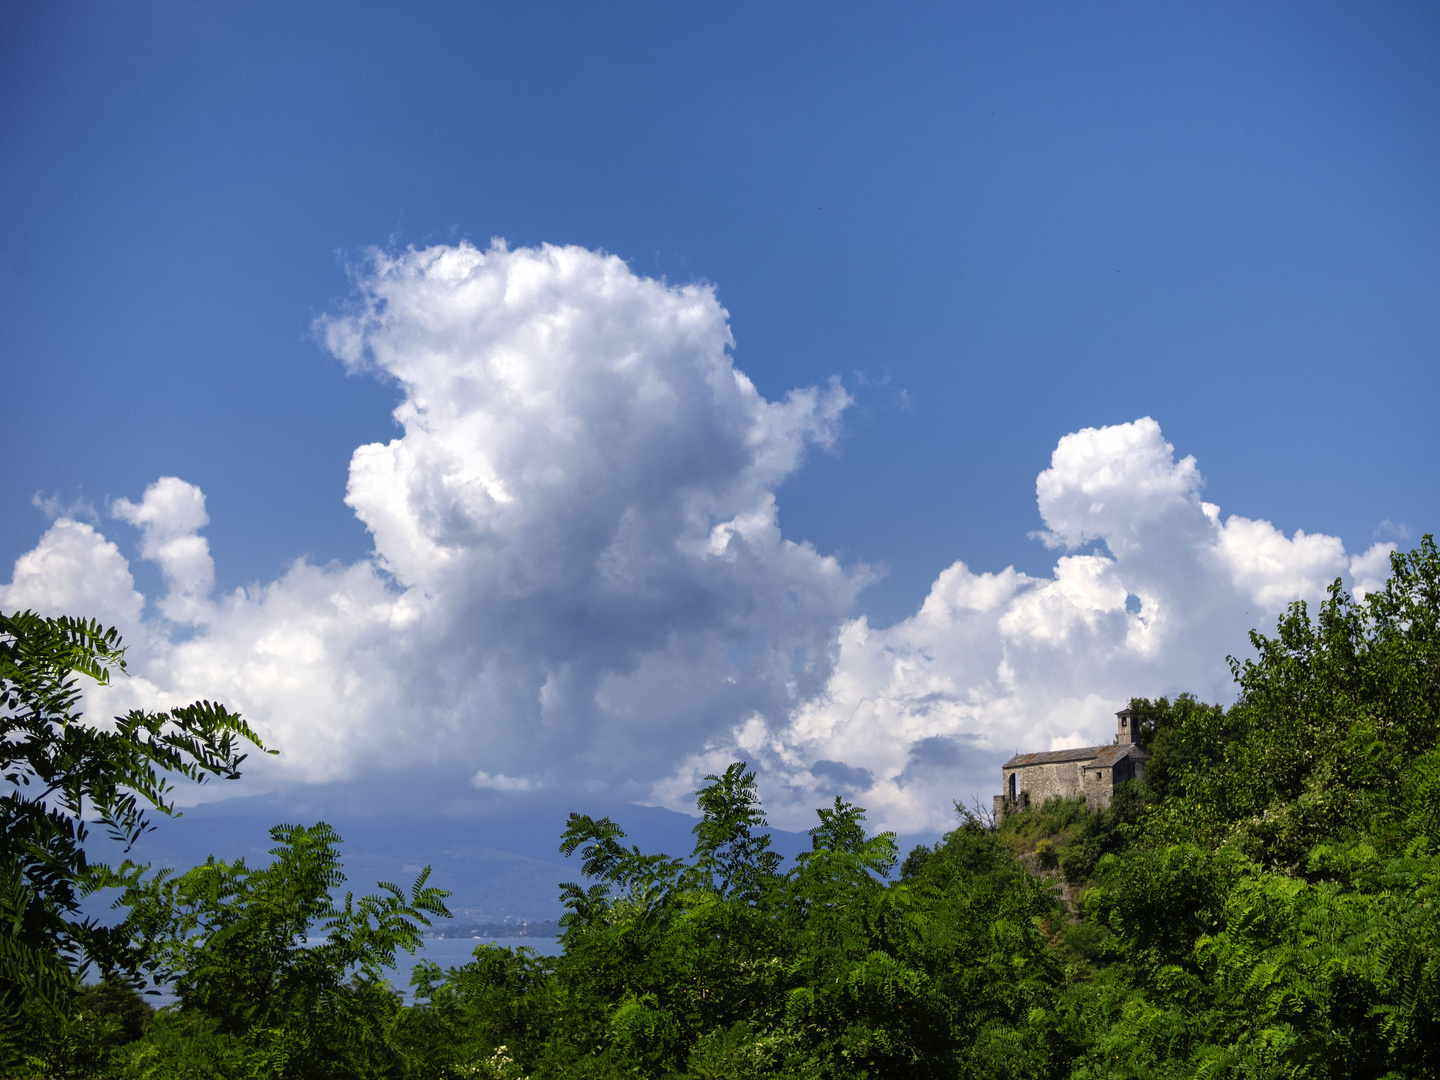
(579, 582)
(578, 573)
(1156, 589)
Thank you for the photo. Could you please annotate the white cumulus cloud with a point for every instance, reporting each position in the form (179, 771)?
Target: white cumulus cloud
(578, 572)
(170, 518)
(75, 570)
(921, 712)
(579, 583)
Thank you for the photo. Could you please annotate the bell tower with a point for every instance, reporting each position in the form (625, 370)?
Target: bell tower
(1125, 729)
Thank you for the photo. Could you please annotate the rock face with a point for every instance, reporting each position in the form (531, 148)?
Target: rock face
(1092, 771)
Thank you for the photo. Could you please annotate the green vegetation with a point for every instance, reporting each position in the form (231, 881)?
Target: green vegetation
(58, 773)
(1265, 903)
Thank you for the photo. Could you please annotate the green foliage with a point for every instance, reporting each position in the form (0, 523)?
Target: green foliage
(1270, 903)
(914, 863)
(60, 773)
(1062, 833)
(726, 847)
(1106, 832)
(188, 1045)
(1167, 732)
(723, 965)
(81, 1040)
(1055, 824)
(274, 964)
(1332, 715)
(503, 999)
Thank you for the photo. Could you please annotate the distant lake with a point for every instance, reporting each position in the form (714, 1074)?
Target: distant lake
(456, 952)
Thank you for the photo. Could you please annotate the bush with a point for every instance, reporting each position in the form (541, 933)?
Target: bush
(1046, 856)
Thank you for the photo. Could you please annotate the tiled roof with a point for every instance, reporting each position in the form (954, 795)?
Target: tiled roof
(1111, 754)
(1100, 756)
(1054, 757)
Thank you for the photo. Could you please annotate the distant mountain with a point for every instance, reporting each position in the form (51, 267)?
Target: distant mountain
(500, 861)
(502, 864)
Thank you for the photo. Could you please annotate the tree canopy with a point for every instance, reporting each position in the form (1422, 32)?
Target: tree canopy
(62, 775)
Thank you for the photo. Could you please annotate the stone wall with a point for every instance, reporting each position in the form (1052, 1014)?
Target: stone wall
(1045, 781)
(1099, 780)
(1099, 787)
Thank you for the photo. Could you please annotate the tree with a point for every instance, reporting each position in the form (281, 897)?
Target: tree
(61, 775)
(293, 979)
(737, 860)
(1333, 712)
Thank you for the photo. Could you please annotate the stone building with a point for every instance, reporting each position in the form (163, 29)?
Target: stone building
(1092, 771)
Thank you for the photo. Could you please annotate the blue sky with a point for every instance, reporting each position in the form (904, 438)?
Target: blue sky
(997, 224)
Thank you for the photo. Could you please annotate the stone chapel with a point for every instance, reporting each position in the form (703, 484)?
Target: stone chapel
(1089, 770)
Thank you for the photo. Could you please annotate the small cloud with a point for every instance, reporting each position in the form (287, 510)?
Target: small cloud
(1051, 540)
(1370, 570)
(501, 782)
(1390, 530)
(903, 398)
(54, 507)
(935, 759)
(169, 518)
